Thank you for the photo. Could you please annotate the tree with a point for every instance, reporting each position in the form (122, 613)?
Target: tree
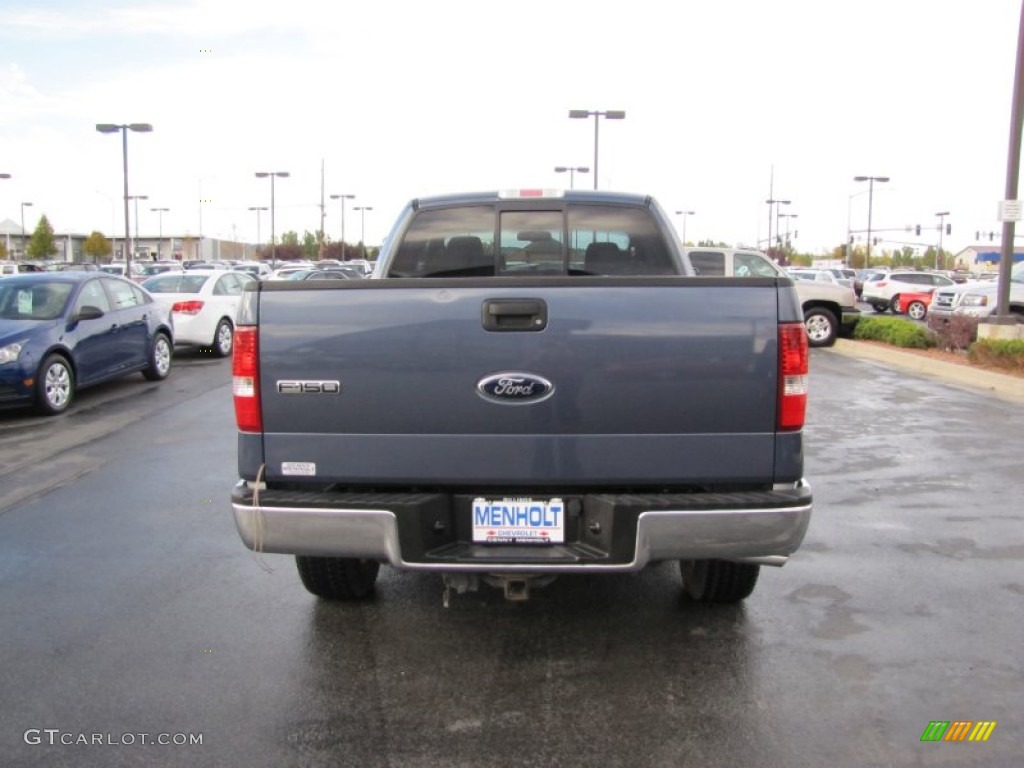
(3, 251)
(42, 244)
(310, 246)
(290, 237)
(97, 246)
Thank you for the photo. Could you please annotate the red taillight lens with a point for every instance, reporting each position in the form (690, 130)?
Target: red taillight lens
(793, 369)
(187, 307)
(245, 379)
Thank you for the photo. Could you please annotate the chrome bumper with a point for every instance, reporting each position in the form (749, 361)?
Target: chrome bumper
(762, 536)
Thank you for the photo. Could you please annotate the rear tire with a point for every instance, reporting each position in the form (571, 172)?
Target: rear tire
(55, 385)
(159, 358)
(916, 310)
(718, 581)
(338, 578)
(822, 328)
(223, 338)
(879, 308)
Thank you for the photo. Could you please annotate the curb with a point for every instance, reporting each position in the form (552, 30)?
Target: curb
(1004, 386)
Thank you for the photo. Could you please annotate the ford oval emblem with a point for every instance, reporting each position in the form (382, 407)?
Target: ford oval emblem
(515, 388)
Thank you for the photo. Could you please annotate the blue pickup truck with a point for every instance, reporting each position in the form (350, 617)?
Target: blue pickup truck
(532, 383)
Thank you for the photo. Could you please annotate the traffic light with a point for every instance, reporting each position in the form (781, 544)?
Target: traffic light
(917, 230)
(977, 235)
(949, 228)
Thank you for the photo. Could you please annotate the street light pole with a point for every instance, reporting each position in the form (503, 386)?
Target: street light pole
(684, 214)
(871, 194)
(23, 205)
(124, 128)
(160, 238)
(135, 242)
(273, 241)
(362, 231)
(258, 208)
(942, 225)
(573, 170)
(343, 198)
(611, 114)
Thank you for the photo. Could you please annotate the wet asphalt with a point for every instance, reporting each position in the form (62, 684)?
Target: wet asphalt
(128, 606)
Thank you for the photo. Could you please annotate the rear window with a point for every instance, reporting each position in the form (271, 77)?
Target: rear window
(483, 240)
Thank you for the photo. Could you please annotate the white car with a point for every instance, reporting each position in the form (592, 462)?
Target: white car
(203, 304)
(882, 291)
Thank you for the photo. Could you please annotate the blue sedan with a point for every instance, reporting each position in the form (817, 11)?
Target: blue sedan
(62, 331)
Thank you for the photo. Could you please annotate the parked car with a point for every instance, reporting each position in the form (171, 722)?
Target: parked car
(333, 273)
(882, 290)
(18, 268)
(821, 275)
(978, 299)
(63, 331)
(915, 305)
(203, 303)
(159, 267)
(830, 310)
(258, 269)
(138, 272)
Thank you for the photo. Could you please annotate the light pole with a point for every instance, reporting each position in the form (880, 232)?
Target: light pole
(343, 198)
(258, 208)
(124, 128)
(871, 194)
(942, 225)
(573, 170)
(273, 243)
(160, 237)
(362, 226)
(772, 201)
(611, 114)
(684, 214)
(135, 241)
(23, 206)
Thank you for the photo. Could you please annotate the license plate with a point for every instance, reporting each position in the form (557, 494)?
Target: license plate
(518, 521)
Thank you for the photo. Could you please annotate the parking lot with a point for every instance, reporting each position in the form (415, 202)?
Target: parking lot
(130, 608)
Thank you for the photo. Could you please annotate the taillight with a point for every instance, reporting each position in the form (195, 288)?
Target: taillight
(793, 368)
(245, 377)
(187, 307)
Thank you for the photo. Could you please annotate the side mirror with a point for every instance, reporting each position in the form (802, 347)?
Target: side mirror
(88, 312)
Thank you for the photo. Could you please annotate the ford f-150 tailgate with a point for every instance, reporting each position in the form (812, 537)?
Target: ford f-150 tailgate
(527, 383)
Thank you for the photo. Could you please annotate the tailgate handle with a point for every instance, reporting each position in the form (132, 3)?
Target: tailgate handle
(514, 315)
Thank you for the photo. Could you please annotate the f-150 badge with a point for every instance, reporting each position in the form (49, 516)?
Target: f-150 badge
(293, 387)
(514, 388)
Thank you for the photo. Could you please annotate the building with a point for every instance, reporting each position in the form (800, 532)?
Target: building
(983, 258)
(176, 247)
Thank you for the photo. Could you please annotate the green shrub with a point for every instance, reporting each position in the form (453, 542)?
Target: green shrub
(893, 330)
(998, 353)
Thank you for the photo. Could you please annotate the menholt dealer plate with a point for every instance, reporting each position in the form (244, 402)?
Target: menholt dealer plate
(518, 521)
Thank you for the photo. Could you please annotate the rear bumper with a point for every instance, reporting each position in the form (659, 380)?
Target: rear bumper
(604, 532)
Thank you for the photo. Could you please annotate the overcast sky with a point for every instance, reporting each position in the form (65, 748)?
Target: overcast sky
(401, 98)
